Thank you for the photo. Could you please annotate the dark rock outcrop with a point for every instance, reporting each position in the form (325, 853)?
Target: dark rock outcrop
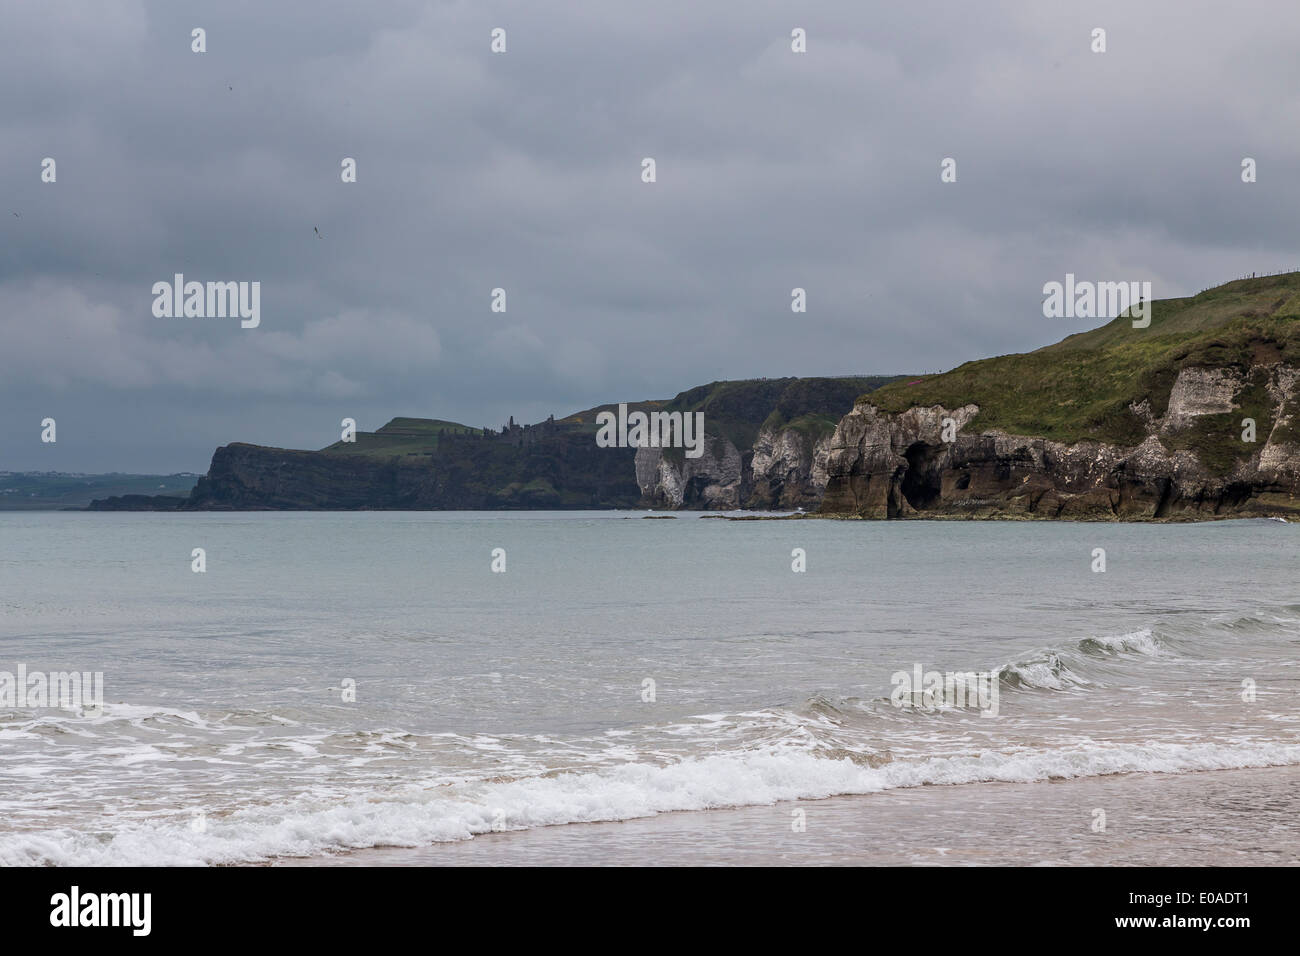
(765, 445)
(564, 470)
(883, 465)
(137, 503)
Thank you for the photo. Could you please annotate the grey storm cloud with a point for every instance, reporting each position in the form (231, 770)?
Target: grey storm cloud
(522, 171)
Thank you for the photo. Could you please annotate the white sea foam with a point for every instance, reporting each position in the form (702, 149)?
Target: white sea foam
(1143, 641)
(417, 817)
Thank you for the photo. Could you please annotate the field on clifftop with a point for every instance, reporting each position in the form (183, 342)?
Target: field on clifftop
(1093, 385)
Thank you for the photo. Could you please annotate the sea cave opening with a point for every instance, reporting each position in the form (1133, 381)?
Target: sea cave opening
(922, 484)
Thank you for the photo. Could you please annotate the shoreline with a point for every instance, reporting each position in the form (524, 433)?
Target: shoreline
(1204, 818)
(1289, 517)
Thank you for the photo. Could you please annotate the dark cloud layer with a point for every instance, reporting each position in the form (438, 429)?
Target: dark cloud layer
(522, 171)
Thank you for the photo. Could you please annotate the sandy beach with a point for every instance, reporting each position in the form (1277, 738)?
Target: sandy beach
(1213, 818)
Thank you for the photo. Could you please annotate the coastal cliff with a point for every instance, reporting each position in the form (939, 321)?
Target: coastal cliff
(559, 469)
(765, 445)
(757, 452)
(784, 470)
(1196, 417)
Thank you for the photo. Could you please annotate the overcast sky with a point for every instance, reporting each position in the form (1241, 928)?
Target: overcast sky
(523, 170)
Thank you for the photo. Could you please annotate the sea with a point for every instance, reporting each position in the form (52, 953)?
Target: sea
(636, 688)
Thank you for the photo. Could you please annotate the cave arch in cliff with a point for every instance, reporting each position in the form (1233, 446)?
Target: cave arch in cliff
(922, 483)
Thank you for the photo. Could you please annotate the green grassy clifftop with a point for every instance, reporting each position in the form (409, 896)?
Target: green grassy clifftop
(1098, 384)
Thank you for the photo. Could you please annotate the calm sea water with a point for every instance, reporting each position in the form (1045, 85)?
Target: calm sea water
(511, 701)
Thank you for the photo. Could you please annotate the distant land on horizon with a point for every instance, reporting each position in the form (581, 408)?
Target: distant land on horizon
(427, 463)
(1191, 413)
(71, 491)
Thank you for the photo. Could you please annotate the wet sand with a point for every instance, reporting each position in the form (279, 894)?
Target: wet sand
(1213, 818)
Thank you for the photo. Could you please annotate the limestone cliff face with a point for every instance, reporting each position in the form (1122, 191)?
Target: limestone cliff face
(715, 480)
(883, 465)
(766, 442)
(785, 470)
(789, 468)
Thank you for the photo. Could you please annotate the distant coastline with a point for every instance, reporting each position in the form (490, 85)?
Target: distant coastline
(1192, 413)
(72, 491)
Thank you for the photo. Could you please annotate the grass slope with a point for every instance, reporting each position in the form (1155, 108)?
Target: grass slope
(401, 436)
(739, 410)
(1083, 386)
